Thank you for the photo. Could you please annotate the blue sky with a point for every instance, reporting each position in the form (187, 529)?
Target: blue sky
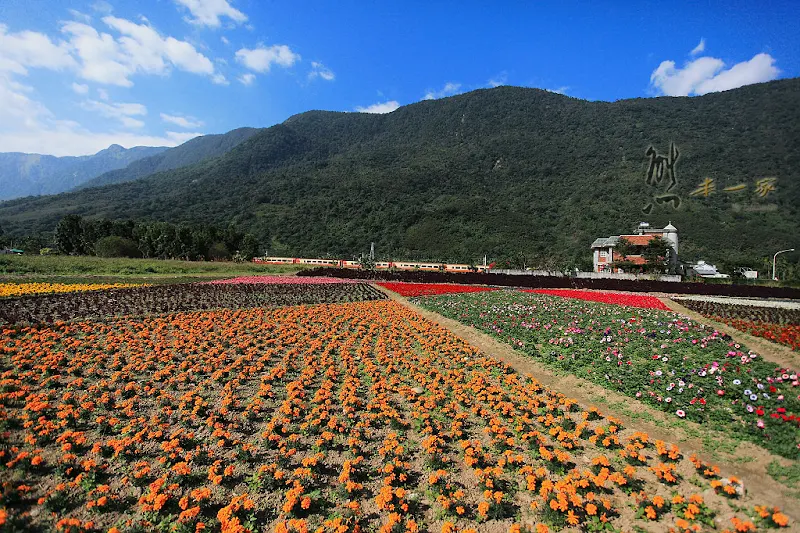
(79, 75)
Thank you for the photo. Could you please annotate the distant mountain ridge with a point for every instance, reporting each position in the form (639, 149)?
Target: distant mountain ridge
(508, 171)
(34, 174)
(193, 151)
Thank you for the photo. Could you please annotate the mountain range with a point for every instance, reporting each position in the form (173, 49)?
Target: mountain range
(503, 171)
(35, 174)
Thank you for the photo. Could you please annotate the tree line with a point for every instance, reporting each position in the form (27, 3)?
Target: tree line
(158, 240)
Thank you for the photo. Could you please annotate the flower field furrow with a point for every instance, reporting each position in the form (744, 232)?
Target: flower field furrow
(23, 289)
(328, 418)
(428, 289)
(281, 280)
(631, 300)
(668, 361)
(177, 298)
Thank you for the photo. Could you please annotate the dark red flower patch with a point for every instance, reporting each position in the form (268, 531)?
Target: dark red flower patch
(430, 289)
(788, 334)
(631, 300)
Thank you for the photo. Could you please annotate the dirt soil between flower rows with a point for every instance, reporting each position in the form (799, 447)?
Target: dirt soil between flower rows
(734, 457)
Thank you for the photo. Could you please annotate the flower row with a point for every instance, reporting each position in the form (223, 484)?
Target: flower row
(23, 289)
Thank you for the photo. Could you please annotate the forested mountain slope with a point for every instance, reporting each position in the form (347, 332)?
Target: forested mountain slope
(193, 151)
(496, 171)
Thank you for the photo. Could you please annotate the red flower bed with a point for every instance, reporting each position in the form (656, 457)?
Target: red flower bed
(631, 300)
(788, 334)
(430, 289)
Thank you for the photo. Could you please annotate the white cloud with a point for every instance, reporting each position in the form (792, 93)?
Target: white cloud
(123, 112)
(449, 89)
(261, 59)
(707, 74)
(385, 107)
(148, 51)
(28, 126)
(29, 49)
(559, 90)
(498, 80)
(701, 47)
(209, 12)
(16, 108)
(103, 94)
(79, 88)
(224, 40)
(79, 15)
(101, 6)
(183, 122)
(247, 79)
(100, 55)
(219, 79)
(318, 70)
(139, 50)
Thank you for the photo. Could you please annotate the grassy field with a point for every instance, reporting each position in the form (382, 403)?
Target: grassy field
(84, 269)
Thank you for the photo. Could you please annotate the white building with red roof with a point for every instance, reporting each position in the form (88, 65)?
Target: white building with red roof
(604, 253)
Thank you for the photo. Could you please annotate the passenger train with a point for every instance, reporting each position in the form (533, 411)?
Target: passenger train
(379, 265)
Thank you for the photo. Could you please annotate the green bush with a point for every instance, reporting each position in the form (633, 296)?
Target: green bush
(114, 246)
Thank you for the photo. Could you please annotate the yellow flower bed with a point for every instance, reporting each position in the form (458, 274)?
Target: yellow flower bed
(21, 289)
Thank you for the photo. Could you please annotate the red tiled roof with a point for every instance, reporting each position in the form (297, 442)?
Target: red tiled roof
(639, 240)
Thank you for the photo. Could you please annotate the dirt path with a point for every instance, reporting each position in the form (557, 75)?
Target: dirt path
(782, 355)
(745, 460)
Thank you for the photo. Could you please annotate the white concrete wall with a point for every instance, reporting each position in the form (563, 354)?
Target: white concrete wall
(612, 275)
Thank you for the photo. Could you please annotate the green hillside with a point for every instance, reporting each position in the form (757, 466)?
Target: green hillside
(499, 171)
(193, 151)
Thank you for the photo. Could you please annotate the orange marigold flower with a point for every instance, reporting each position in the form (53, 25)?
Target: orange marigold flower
(780, 519)
(572, 518)
(188, 514)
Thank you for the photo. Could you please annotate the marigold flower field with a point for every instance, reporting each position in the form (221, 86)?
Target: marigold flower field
(357, 415)
(20, 289)
(175, 298)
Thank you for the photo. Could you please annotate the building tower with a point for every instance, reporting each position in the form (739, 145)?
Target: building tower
(671, 235)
